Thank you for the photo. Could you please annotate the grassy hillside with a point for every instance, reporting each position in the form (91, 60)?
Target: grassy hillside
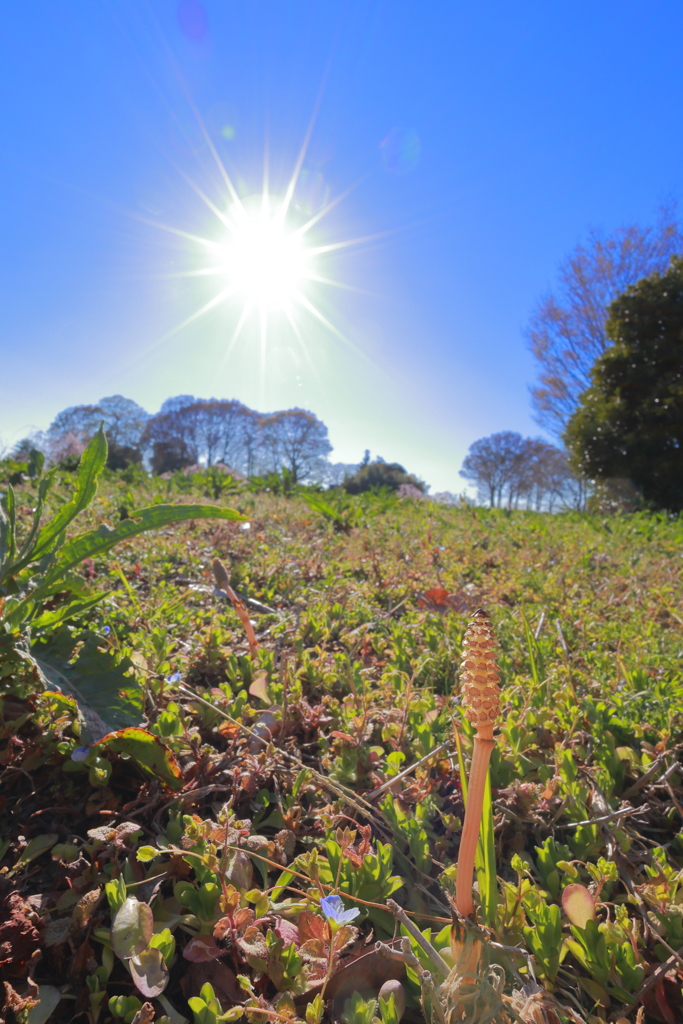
(253, 759)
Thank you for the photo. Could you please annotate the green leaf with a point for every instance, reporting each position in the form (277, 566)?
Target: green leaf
(4, 537)
(69, 610)
(147, 853)
(107, 698)
(36, 461)
(485, 859)
(8, 528)
(132, 928)
(147, 750)
(43, 491)
(96, 542)
(91, 465)
(35, 848)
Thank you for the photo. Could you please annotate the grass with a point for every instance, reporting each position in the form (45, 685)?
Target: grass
(249, 800)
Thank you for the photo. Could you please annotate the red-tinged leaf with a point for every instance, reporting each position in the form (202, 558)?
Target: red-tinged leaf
(312, 926)
(578, 905)
(287, 931)
(259, 687)
(146, 750)
(201, 949)
(439, 600)
(342, 736)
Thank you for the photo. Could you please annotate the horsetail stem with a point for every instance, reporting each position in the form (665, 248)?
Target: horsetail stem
(481, 699)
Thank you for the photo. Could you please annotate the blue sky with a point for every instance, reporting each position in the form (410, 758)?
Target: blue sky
(512, 130)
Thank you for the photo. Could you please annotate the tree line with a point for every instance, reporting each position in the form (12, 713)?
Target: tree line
(188, 431)
(192, 432)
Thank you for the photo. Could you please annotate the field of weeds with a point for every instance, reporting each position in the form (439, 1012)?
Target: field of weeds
(215, 776)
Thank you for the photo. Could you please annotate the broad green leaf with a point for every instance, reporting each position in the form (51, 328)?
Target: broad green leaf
(91, 465)
(21, 611)
(35, 848)
(8, 528)
(96, 542)
(147, 750)
(107, 698)
(149, 972)
(4, 537)
(132, 928)
(69, 610)
(27, 547)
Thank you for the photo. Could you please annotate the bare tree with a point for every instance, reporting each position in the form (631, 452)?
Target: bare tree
(124, 420)
(509, 468)
(295, 439)
(168, 442)
(492, 463)
(566, 331)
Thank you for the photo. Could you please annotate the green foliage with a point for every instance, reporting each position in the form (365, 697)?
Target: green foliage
(244, 799)
(630, 420)
(107, 694)
(379, 474)
(337, 510)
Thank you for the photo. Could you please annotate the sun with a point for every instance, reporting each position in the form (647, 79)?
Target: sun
(264, 257)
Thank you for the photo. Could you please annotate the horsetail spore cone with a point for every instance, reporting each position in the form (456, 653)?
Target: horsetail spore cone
(481, 699)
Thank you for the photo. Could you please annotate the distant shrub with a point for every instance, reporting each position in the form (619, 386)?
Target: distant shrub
(381, 474)
(121, 456)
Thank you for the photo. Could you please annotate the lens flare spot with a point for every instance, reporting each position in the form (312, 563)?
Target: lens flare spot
(401, 150)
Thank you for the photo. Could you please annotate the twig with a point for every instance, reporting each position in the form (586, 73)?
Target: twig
(436, 959)
(387, 953)
(539, 627)
(560, 634)
(644, 779)
(604, 817)
(407, 771)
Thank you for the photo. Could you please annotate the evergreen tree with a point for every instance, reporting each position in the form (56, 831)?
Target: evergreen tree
(629, 423)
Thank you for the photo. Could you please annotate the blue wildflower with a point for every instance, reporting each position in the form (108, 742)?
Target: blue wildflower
(80, 753)
(106, 630)
(175, 678)
(333, 909)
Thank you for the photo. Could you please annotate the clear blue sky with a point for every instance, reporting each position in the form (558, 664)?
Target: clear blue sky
(513, 129)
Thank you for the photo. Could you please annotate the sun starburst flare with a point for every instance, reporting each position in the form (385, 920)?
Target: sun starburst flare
(263, 259)
(267, 256)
